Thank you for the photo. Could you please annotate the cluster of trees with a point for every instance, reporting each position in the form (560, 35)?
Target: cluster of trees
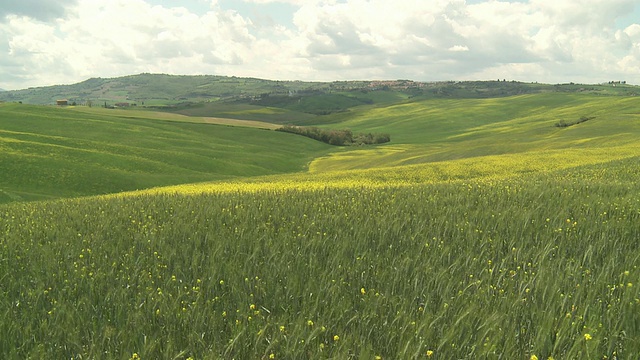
(563, 124)
(336, 137)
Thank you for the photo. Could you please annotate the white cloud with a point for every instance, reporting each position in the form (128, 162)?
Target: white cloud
(457, 48)
(537, 40)
(633, 31)
(116, 37)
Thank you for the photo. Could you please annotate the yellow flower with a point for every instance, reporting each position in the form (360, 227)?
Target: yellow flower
(363, 291)
(310, 322)
(281, 328)
(252, 306)
(533, 357)
(135, 356)
(587, 337)
(336, 337)
(272, 356)
(429, 353)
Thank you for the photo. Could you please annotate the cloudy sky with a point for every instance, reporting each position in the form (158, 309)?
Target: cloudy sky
(46, 42)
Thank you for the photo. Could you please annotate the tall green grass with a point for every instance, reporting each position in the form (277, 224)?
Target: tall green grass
(543, 264)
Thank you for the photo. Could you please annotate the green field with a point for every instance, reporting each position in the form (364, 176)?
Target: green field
(482, 231)
(445, 129)
(47, 152)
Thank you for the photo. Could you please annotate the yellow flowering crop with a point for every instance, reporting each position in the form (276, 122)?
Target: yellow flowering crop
(486, 168)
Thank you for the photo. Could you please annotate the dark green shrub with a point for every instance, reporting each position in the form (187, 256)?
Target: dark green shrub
(336, 137)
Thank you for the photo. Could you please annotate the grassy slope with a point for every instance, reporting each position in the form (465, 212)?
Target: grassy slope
(244, 111)
(130, 149)
(291, 110)
(463, 268)
(441, 129)
(51, 152)
(149, 114)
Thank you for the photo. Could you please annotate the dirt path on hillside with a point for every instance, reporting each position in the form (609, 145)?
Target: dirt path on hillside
(160, 115)
(236, 122)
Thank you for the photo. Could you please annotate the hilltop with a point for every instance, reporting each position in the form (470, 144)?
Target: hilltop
(162, 90)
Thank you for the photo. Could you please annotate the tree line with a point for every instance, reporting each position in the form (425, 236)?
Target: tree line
(343, 137)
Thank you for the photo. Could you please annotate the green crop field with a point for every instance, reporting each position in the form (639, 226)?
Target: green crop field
(481, 231)
(49, 152)
(443, 129)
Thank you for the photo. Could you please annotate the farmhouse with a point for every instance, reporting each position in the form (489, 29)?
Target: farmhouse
(62, 102)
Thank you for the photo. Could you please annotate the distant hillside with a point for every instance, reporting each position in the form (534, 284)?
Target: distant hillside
(149, 89)
(318, 98)
(49, 152)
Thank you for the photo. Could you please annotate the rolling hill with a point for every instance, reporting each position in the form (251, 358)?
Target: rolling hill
(163, 90)
(187, 234)
(180, 92)
(443, 129)
(77, 151)
(49, 152)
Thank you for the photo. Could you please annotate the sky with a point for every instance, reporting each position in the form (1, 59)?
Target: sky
(51, 42)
